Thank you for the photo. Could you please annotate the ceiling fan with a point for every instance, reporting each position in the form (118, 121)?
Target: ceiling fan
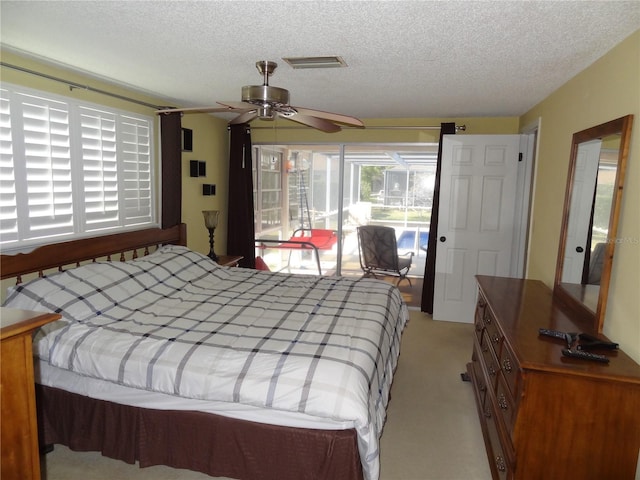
(267, 102)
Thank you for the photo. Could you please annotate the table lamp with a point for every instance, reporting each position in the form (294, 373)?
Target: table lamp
(211, 222)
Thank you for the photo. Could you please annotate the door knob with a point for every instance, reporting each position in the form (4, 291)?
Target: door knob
(443, 239)
(579, 249)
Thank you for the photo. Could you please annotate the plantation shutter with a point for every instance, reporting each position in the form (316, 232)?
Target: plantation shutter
(99, 169)
(67, 169)
(42, 162)
(136, 170)
(8, 204)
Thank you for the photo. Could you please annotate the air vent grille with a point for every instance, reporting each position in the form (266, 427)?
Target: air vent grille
(316, 62)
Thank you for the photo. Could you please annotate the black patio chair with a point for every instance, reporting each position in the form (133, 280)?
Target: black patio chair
(378, 251)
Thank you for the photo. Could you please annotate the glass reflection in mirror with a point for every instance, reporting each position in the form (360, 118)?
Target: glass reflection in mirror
(596, 175)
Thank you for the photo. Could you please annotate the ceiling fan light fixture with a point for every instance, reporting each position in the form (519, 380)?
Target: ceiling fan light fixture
(265, 112)
(316, 62)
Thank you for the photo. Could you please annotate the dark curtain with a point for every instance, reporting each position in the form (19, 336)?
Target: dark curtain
(430, 266)
(171, 144)
(240, 228)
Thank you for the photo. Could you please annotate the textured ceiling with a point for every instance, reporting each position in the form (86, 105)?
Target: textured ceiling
(405, 58)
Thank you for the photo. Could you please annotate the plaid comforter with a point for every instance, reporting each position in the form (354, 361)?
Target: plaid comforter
(175, 322)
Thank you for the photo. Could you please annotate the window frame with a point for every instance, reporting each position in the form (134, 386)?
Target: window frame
(134, 186)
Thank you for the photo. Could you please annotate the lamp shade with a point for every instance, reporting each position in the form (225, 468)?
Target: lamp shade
(210, 218)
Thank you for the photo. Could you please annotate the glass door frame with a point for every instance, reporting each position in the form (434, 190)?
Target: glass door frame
(355, 191)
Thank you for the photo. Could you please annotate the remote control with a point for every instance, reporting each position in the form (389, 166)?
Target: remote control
(570, 338)
(552, 333)
(584, 355)
(589, 341)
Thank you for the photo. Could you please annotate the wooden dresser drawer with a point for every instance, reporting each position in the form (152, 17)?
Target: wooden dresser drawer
(506, 405)
(500, 452)
(491, 329)
(479, 378)
(490, 359)
(511, 370)
(478, 318)
(479, 328)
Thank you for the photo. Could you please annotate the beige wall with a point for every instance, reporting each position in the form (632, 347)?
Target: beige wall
(608, 89)
(210, 144)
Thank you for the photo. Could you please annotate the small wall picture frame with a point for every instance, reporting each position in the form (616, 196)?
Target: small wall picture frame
(187, 140)
(197, 168)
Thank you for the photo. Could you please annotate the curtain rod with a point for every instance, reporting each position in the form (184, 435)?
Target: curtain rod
(73, 85)
(459, 128)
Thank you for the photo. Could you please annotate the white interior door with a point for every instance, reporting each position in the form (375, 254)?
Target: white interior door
(478, 187)
(584, 186)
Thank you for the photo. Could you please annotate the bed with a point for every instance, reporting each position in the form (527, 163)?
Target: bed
(168, 358)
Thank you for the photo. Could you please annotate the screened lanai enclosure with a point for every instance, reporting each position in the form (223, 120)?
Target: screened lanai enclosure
(327, 191)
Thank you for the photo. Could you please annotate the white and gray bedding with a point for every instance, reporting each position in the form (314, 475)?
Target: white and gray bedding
(175, 323)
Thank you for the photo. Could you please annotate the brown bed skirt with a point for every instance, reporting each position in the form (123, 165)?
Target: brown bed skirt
(203, 442)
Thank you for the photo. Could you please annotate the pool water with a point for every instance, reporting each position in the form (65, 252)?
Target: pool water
(407, 241)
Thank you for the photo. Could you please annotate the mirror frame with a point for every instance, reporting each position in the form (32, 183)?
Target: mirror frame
(574, 300)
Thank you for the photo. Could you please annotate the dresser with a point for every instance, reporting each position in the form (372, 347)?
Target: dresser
(543, 415)
(20, 453)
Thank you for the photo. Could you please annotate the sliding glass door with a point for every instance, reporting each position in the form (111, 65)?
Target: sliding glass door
(305, 192)
(389, 185)
(304, 239)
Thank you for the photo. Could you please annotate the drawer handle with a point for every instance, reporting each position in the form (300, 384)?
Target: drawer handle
(502, 402)
(500, 464)
(496, 339)
(506, 363)
(487, 318)
(492, 370)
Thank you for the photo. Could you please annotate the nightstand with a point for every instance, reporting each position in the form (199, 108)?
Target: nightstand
(20, 452)
(229, 260)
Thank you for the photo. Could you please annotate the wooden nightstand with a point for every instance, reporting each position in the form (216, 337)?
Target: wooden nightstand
(229, 260)
(20, 452)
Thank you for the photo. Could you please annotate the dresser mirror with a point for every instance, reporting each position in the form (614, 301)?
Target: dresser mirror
(590, 218)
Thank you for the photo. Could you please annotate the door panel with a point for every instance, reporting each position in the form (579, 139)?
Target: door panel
(460, 194)
(491, 206)
(476, 222)
(456, 260)
(488, 262)
(584, 185)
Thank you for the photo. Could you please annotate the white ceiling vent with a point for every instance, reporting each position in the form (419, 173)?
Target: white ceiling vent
(316, 62)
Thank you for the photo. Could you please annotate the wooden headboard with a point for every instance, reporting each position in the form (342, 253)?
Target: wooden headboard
(59, 255)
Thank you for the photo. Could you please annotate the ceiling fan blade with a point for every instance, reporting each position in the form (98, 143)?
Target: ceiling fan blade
(201, 109)
(333, 117)
(244, 117)
(238, 105)
(319, 123)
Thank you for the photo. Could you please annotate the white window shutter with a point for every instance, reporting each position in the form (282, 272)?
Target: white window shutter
(68, 169)
(47, 166)
(99, 169)
(8, 202)
(136, 169)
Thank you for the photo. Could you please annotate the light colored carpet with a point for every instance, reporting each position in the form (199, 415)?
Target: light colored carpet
(432, 430)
